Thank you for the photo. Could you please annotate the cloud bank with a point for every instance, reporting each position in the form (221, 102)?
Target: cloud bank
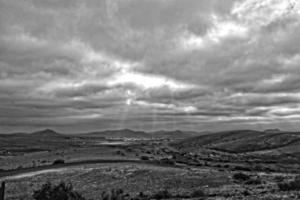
(149, 64)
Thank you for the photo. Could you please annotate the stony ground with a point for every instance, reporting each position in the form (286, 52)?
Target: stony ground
(189, 168)
(91, 180)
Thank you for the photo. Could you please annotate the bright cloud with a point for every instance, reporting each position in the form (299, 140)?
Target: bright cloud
(262, 13)
(226, 29)
(147, 81)
(190, 64)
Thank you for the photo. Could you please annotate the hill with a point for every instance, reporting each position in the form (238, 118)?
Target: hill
(46, 133)
(43, 139)
(177, 134)
(123, 133)
(127, 133)
(241, 141)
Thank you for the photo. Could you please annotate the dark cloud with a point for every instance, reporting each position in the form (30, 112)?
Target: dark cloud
(152, 64)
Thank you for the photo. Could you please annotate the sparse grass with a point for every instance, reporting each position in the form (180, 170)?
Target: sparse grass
(61, 191)
(200, 168)
(91, 180)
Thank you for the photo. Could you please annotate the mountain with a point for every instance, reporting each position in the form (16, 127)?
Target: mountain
(177, 134)
(127, 133)
(46, 133)
(241, 141)
(123, 133)
(43, 139)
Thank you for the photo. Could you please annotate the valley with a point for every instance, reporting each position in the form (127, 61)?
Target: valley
(240, 164)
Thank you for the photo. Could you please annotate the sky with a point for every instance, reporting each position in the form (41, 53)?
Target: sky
(76, 66)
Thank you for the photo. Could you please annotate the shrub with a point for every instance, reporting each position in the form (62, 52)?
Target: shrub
(58, 162)
(61, 191)
(141, 196)
(20, 167)
(145, 158)
(268, 169)
(258, 168)
(198, 193)
(241, 177)
(292, 185)
(246, 193)
(120, 153)
(167, 161)
(218, 166)
(253, 181)
(162, 195)
(242, 168)
(114, 195)
(226, 166)
(279, 178)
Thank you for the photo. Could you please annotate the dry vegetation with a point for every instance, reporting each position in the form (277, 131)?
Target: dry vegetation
(218, 166)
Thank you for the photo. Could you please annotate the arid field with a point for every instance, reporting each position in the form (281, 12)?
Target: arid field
(221, 165)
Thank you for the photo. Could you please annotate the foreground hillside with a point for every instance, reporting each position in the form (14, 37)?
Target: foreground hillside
(242, 141)
(270, 150)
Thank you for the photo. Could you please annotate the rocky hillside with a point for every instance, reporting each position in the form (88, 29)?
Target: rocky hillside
(241, 141)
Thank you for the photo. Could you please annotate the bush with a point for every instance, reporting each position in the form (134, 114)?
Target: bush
(242, 168)
(292, 185)
(162, 195)
(58, 162)
(253, 181)
(226, 166)
(114, 195)
(241, 177)
(141, 196)
(145, 158)
(61, 191)
(279, 178)
(120, 153)
(167, 161)
(246, 193)
(198, 193)
(20, 167)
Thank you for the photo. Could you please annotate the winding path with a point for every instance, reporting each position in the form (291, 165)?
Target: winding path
(24, 171)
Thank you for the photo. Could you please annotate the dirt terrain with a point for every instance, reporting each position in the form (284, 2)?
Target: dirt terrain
(241, 164)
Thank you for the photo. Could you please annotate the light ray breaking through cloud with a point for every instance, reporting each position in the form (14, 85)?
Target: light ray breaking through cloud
(149, 64)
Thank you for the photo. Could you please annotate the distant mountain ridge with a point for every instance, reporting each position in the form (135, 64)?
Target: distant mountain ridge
(127, 133)
(231, 141)
(173, 134)
(122, 133)
(44, 132)
(235, 141)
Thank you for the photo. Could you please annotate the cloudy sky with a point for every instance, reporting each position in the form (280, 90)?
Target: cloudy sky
(76, 66)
